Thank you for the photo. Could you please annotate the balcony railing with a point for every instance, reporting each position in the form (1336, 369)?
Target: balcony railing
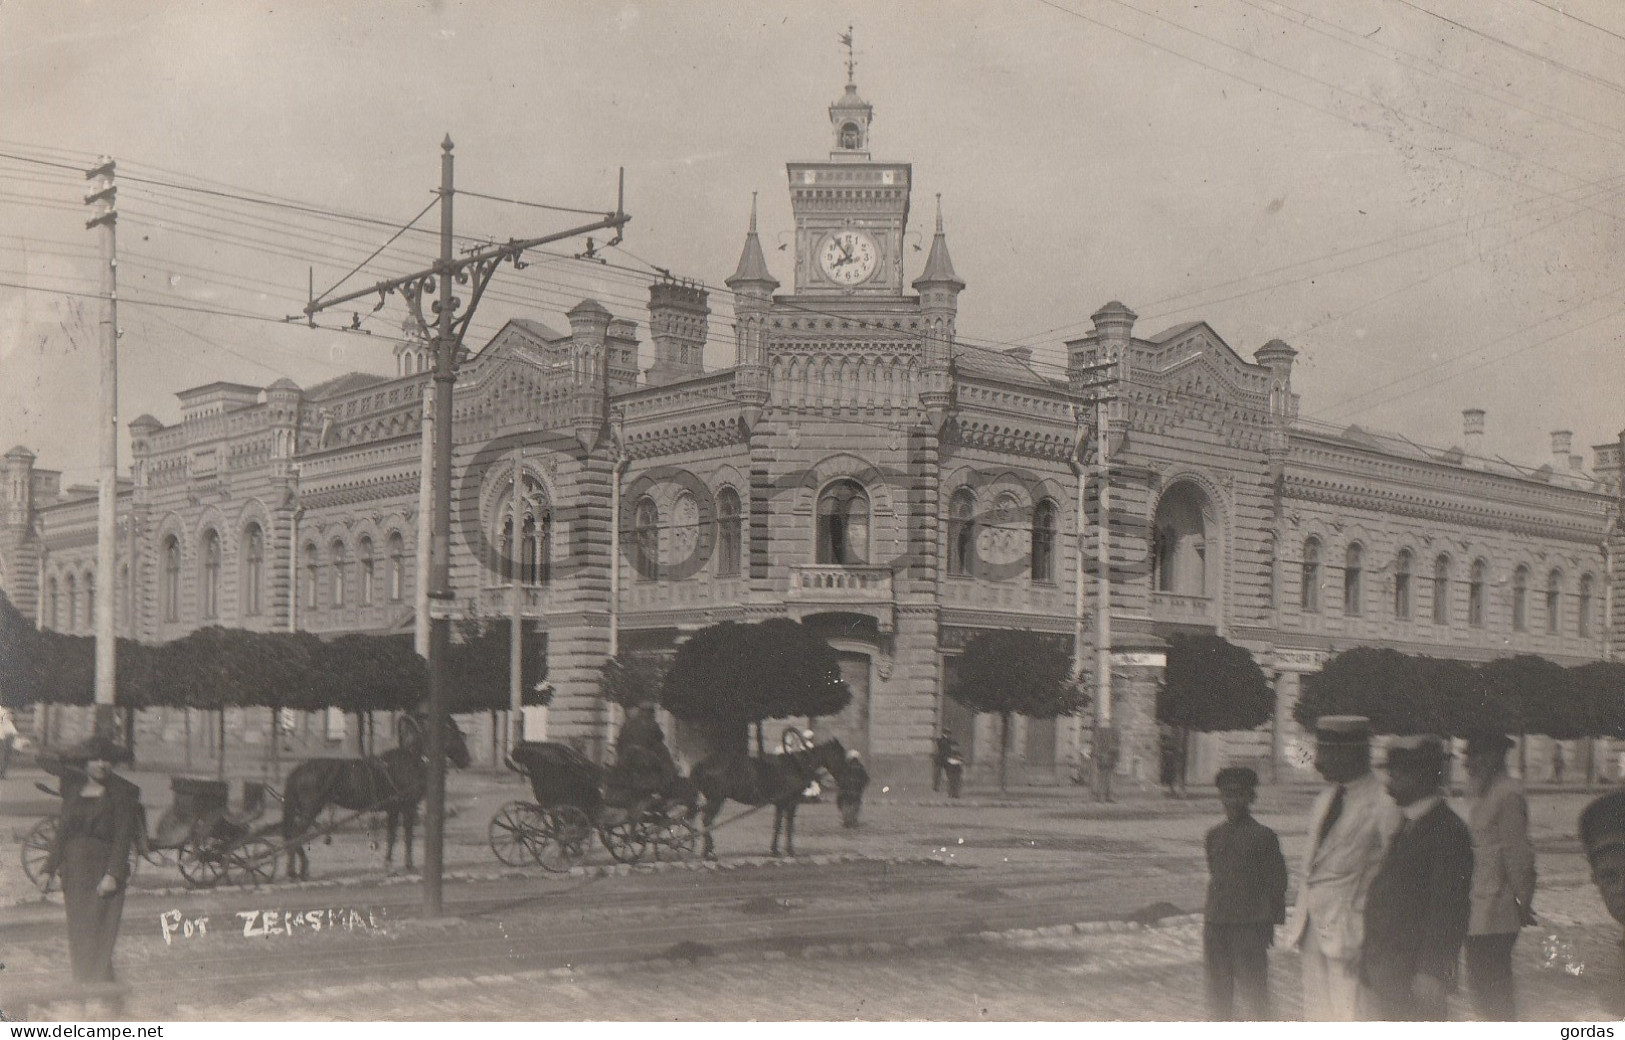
(1174, 606)
(830, 586)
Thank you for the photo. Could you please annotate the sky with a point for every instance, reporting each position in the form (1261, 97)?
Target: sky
(1424, 197)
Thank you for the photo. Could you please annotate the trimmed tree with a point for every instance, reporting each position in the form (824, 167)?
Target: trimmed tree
(633, 678)
(1007, 672)
(1211, 684)
(730, 676)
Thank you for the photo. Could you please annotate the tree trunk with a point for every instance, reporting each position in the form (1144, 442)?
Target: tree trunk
(276, 744)
(1183, 766)
(186, 719)
(1004, 746)
(220, 756)
(129, 730)
(760, 752)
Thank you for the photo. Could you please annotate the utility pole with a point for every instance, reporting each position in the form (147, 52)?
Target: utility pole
(473, 270)
(106, 218)
(1105, 756)
(1093, 383)
(516, 623)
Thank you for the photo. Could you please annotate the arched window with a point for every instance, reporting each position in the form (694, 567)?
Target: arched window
(1354, 580)
(53, 603)
(1520, 599)
(1441, 590)
(1475, 593)
(312, 575)
(533, 553)
(1043, 545)
(73, 604)
(1554, 602)
(962, 532)
(1402, 585)
(1584, 623)
(339, 576)
(123, 593)
(728, 533)
(209, 592)
(1311, 576)
(397, 567)
(171, 588)
(90, 600)
(253, 570)
(646, 540)
(364, 581)
(849, 136)
(843, 524)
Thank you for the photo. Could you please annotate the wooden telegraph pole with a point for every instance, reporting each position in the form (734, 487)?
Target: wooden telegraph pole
(106, 218)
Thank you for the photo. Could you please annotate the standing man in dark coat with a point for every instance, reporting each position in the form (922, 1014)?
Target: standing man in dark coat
(1602, 836)
(1503, 875)
(1246, 899)
(100, 813)
(1416, 912)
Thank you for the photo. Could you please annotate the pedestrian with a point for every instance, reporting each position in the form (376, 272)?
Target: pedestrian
(850, 785)
(98, 822)
(947, 762)
(1602, 836)
(1246, 899)
(1349, 827)
(1417, 910)
(8, 739)
(1503, 875)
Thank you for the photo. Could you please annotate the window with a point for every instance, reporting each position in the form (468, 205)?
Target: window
(1311, 576)
(1441, 590)
(73, 604)
(728, 540)
(312, 572)
(849, 136)
(1520, 599)
(1354, 580)
(1475, 593)
(962, 532)
(90, 601)
(339, 576)
(1554, 602)
(843, 524)
(253, 570)
(171, 588)
(397, 567)
(53, 620)
(1043, 547)
(368, 572)
(209, 593)
(532, 556)
(536, 545)
(1272, 574)
(1585, 607)
(646, 540)
(1402, 585)
(123, 606)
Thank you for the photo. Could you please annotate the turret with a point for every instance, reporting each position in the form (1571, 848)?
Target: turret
(939, 290)
(752, 285)
(589, 406)
(678, 315)
(19, 505)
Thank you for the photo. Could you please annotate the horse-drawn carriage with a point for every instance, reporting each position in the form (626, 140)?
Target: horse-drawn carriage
(574, 803)
(200, 834)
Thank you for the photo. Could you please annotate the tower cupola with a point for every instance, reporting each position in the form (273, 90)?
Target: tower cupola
(850, 116)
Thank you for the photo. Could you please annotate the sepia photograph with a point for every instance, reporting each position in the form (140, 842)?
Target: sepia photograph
(940, 511)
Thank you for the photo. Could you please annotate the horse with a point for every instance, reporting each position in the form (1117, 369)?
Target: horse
(776, 780)
(394, 782)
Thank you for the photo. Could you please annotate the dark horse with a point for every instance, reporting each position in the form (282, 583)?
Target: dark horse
(776, 780)
(393, 783)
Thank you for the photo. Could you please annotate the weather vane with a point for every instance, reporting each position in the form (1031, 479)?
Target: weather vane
(851, 60)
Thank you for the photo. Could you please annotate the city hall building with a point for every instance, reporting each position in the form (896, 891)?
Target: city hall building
(856, 468)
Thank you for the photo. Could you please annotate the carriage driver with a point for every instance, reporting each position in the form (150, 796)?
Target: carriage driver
(643, 764)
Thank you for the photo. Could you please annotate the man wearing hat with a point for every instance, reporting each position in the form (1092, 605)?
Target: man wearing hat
(100, 813)
(1503, 874)
(1246, 899)
(1602, 836)
(1416, 912)
(1349, 826)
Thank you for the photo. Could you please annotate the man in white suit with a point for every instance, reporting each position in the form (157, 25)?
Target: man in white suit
(1503, 875)
(1349, 828)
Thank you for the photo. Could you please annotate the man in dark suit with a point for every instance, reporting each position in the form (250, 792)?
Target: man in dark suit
(1416, 912)
(1602, 836)
(1246, 899)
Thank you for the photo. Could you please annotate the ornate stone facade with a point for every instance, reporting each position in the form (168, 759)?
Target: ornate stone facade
(857, 468)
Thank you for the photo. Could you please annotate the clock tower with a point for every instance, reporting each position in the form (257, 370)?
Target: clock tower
(850, 211)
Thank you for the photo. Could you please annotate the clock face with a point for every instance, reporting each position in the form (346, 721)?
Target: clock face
(848, 257)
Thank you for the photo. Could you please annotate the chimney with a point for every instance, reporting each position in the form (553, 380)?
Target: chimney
(1609, 462)
(1472, 431)
(1562, 443)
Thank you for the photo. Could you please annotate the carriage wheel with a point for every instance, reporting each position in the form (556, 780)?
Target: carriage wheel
(793, 740)
(625, 839)
(565, 834)
(200, 864)
(516, 832)
(675, 839)
(251, 862)
(37, 848)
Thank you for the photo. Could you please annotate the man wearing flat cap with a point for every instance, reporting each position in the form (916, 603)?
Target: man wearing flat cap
(1416, 912)
(1602, 836)
(1246, 899)
(1349, 827)
(1503, 875)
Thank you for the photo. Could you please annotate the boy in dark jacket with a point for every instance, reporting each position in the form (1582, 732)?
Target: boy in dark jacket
(1246, 899)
